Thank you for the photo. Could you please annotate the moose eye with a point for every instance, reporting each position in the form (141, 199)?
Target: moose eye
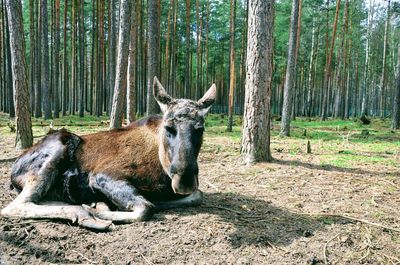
(199, 129)
(170, 130)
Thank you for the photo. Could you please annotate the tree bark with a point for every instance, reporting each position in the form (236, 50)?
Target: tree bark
(65, 86)
(111, 49)
(45, 62)
(290, 71)
(383, 80)
(255, 144)
(131, 99)
(81, 19)
(122, 64)
(56, 91)
(187, 56)
(153, 52)
(231, 65)
(327, 70)
(31, 52)
(396, 100)
(24, 137)
(364, 104)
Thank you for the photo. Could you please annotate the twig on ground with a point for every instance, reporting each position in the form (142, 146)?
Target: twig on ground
(350, 218)
(391, 183)
(85, 258)
(326, 246)
(223, 208)
(145, 259)
(12, 159)
(212, 185)
(276, 247)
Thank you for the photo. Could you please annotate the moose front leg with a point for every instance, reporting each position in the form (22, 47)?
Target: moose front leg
(131, 205)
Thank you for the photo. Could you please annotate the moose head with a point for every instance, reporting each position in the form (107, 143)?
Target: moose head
(181, 136)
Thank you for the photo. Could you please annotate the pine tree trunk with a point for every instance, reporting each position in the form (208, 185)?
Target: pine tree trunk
(81, 58)
(153, 44)
(383, 80)
(231, 65)
(24, 137)
(45, 61)
(310, 83)
(290, 71)
(8, 71)
(131, 98)
(38, 76)
(31, 53)
(187, 56)
(65, 87)
(396, 100)
(56, 91)
(365, 90)
(122, 64)
(255, 145)
(111, 49)
(327, 70)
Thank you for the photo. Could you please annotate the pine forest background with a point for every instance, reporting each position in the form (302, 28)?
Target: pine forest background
(72, 68)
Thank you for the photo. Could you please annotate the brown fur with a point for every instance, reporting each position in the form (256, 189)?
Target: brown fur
(130, 154)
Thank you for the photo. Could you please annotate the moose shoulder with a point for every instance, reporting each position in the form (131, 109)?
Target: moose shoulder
(125, 174)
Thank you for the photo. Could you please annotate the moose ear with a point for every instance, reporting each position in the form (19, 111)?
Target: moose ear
(161, 96)
(207, 100)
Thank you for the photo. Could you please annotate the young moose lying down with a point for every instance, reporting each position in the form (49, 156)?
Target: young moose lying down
(149, 165)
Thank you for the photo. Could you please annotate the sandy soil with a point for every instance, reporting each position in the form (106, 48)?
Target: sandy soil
(291, 211)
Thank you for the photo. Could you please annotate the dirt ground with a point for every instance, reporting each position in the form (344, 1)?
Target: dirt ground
(295, 210)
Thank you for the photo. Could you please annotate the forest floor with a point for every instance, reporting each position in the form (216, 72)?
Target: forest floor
(337, 205)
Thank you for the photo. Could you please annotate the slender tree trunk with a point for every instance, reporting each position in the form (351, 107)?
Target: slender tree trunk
(366, 77)
(396, 100)
(65, 63)
(327, 70)
(290, 71)
(153, 44)
(255, 145)
(122, 64)
(112, 48)
(310, 83)
(81, 19)
(38, 77)
(31, 53)
(383, 80)
(24, 137)
(187, 56)
(341, 64)
(231, 65)
(8, 71)
(57, 61)
(167, 48)
(45, 61)
(131, 98)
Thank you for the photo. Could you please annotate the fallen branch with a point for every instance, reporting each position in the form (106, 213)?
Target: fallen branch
(12, 159)
(85, 258)
(349, 218)
(326, 246)
(145, 259)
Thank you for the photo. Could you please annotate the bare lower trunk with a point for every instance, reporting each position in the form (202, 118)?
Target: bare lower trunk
(122, 64)
(131, 98)
(290, 71)
(24, 136)
(255, 145)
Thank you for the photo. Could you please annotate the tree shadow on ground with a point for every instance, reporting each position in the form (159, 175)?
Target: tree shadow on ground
(18, 238)
(333, 168)
(258, 222)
